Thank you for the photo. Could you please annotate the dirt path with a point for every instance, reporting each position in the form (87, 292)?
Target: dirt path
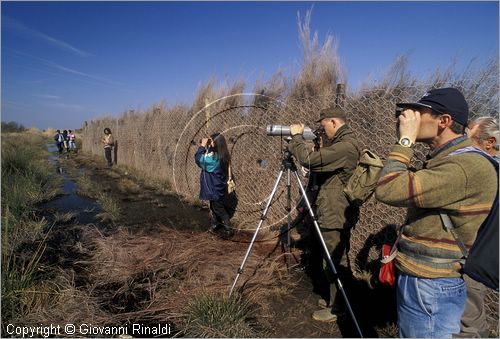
(147, 211)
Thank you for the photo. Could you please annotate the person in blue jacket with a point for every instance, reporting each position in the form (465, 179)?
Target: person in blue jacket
(213, 158)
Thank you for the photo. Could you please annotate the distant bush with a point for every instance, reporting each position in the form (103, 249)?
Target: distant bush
(12, 126)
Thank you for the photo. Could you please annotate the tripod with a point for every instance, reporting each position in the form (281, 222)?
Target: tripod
(289, 165)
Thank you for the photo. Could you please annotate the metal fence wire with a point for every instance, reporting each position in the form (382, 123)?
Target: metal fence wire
(161, 144)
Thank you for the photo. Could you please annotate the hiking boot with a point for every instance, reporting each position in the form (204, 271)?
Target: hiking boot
(228, 230)
(213, 227)
(324, 315)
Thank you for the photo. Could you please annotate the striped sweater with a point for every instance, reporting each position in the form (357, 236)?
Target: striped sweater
(462, 185)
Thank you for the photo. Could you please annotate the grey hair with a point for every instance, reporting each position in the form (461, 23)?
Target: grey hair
(488, 127)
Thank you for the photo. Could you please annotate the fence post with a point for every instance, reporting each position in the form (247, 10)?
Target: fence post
(340, 99)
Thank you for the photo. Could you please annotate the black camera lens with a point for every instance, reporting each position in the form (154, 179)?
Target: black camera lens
(398, 112)
(318, 132)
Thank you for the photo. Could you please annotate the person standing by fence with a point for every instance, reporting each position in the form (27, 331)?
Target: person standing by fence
(431, 293)
(108, 143)
(214, 160)
(332, 166)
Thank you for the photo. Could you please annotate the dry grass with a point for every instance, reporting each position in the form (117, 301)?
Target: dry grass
(85, 186)
(389, 331)
(321, 70)
(129, 186)
(64, 218)
(110, 208)
(167, 277)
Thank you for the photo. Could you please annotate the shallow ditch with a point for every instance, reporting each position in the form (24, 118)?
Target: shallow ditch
(70, 246)
(85, 209)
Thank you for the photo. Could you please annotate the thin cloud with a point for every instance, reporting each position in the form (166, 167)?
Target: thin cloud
(17, 26)
(47, 96)
(14, 104)
(90, 76)
(54, 65)
(67, 107)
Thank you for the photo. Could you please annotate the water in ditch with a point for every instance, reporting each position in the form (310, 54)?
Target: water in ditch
(85, 209)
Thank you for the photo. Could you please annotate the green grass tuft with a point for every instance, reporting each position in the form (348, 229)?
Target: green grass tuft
(221, 316)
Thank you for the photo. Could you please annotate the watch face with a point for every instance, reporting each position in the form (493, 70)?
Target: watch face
(405, 142)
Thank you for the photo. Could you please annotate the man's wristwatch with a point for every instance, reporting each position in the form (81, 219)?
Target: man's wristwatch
(406, 142)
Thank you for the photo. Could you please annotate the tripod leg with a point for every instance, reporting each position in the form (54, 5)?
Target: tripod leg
(261, 221)
(289, 219)
(327, 253)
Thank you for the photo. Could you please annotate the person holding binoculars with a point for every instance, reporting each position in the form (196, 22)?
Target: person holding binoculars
(213, 158)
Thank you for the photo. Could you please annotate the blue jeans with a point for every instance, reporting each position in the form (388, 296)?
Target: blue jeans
(429, 308)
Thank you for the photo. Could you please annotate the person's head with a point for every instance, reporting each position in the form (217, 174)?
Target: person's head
(58, 131)
(331, 119)
(444, 113)
(220, 147)
(65, 132)
(69, 131)
(107, 131)
(483, 132)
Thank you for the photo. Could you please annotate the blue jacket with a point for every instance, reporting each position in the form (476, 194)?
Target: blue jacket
(213, 177)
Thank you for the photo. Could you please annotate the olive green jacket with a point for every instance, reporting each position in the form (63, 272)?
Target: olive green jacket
(462, 185)
(332, 167)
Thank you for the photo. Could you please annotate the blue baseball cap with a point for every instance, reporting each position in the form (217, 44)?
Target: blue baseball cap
(443, 100)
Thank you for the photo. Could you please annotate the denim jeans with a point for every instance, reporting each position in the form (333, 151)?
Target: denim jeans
(429, 308)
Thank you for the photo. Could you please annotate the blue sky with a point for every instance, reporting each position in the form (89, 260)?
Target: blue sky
(66, 62)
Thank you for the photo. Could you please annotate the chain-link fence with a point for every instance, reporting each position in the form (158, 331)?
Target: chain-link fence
(161, 143)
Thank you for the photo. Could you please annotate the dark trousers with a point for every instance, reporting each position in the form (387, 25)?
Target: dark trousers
(107, 154)
(223, 210)
(338, 243)
(473, 323)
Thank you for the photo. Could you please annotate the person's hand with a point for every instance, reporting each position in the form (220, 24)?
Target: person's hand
(297, 129)
(409, 124)
(204, 142)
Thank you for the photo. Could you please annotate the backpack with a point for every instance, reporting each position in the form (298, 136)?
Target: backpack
(363, 180)
(481, 261)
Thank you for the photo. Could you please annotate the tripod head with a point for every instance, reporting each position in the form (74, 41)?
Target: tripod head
(287, 159)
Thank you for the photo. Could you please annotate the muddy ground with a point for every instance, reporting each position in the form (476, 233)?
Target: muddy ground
(148, 210)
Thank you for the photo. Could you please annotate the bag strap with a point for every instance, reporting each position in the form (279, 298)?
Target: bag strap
(394, 248)
(449, 226)
(444, 217)
(229, 170)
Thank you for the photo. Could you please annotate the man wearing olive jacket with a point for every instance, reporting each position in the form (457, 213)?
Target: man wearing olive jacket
(332, 166)
(431, 292)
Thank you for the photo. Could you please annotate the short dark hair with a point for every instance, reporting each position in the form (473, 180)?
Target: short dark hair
(108, 130)
(455, 127)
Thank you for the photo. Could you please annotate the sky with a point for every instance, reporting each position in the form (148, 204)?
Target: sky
(66, 62)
